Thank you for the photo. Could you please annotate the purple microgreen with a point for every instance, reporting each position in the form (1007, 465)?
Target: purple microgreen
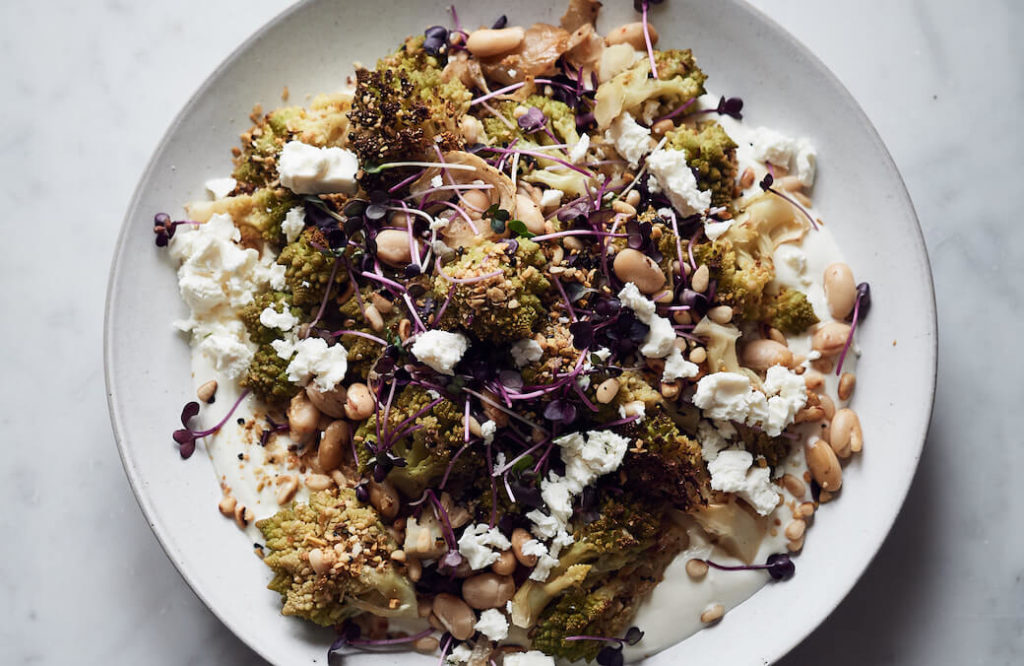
(582, 334)
(533, 120)
(766, 186)
(730, 106)
(435, 40)
(860, 309)
(565, 299)
(543, 156)
(360, 334)
(451, 466)
(327, 293)
(647, 37)
(561, 411)
(495, 93)
(446, 531)
(778, 565)
(186, 437)
(500, 23)
(676, 112)
(502, 408)
(350, 643)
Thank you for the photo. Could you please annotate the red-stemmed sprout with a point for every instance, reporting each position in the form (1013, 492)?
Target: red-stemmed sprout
(860, 310)
(453, 557)
(349, 643)
(766, 185)
(647, 35)
(778, 565)
(611, 655)
(186, 437)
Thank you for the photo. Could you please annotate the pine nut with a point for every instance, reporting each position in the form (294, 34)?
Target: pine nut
(404, 330)
(398, 555)
(373, 317)
(698, 355)
(795, 530)
(795, 486)
(814, 380)
(712, 613)
(795, 546)
(414, 569)
(662, 127)
(805, 510)
(701, 279)
(634, 266)
(776, 335)
(318, 482)
(289, 486)
(840, 290)
(696, 568)
(207, 391)
(426, 645)
(721, 314)
(668, 390)
(607, 390)
(827, 405)
(823, 465)
(620, 206)
(847, 382)
(227, 506)
(321, 560)
(243, 516)
(485, 43)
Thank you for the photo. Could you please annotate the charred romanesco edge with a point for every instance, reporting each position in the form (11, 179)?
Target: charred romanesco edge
(504, 307)
(359, 579)
(307, 270)
(665, 462)
(404, 107)
(712, 154)
(679, 80)
(427, 451)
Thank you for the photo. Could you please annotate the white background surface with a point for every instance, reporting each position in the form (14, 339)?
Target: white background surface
(90, 88)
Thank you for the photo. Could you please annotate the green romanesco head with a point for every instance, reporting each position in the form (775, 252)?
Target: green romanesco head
(350, 548)
(789, 311)
(267, 377)
(561, 121)
(280, 301)
(712, 154)
(679, 80)
(741, 277)
(504, 307)
(664, 462)
(308, 270)
(425, 437)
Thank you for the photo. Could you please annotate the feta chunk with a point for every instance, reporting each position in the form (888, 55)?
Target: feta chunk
(314, 359)
(675, 179)
(440, 350)
(677, 367)
(228, 350)
(531, 658)
(293, 224)
(526, 352)
(579, 151)
(481, 545)
(730, 396)
(551, 198)
(733, 471)
(798, 156)
(283, 321)
(306, 169)
(492, 624)
(631, 139)
(487, 430)
(658, 342)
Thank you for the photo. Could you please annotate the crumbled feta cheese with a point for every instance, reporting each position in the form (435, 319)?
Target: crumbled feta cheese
(579, 150)
(219, 188)
(631, 139)
(275, 273)
(284, 348)
(460, 655)
(283, 321)
(293, 224)
(714, 230)
(531, 658)
(526, 352)
(796, 155)
(557, 493)
(541, 570)
(733, 471)
(481, 545)
(660, 337)
(551, 198)
(439, 222)
(603, 353)
(487, 430)
(440, 248)
(544, 526)
(675, 179)
(791, 265)
(677, 367)
(437, 181)
(228, 350)
(306, 169)
(712, 441)
(440, 350)
(314, 359)
(730, 396)
(806, 161)
(492, 624)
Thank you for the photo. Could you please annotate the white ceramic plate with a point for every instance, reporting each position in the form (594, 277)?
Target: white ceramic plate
(310, 49)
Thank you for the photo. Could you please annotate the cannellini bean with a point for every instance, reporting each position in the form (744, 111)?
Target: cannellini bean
(393, 246)
(661, 127)
(318, 482)
(384, 498)
(519, 538)
(488, 590)
(477, 201)
(332, 445)
(505, 565)
(830, 338)
(331, 403)
(455, 615)
(303, 418)
(632, 34)
(373, 317)
(845, 434)
(634, 266)
(840, 290)
(485, 43)
(760, 355)
(528, 211)
(823, 465)
(359, 402)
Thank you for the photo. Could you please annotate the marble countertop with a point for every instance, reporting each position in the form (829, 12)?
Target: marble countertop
(91, 86)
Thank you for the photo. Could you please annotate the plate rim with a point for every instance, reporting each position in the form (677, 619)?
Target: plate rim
(167, 544)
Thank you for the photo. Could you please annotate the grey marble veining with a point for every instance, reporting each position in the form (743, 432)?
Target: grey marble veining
(90, 89)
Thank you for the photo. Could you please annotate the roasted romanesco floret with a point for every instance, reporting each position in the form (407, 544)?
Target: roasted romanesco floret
(266, 375)
(331, 560)
(679, 80)
(280, 301)
(711, 153)
(665, 462)
(308, 270)
(741, 278)
(504, 307)
(789, 311)
(561, 120)
(403, 108)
